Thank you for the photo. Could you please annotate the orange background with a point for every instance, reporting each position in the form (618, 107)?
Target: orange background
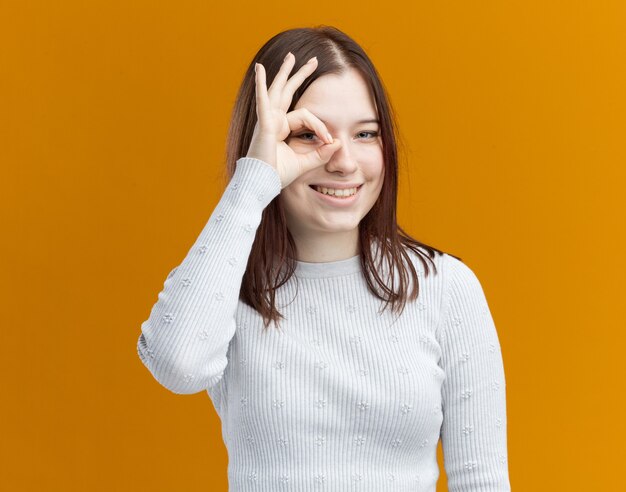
(113, 118)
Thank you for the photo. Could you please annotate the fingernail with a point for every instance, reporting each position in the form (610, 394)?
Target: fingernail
(330, 137)
(255, 65)
(314, 58)
(287, 56)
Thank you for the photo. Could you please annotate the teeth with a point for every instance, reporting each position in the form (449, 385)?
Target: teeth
(337, 193)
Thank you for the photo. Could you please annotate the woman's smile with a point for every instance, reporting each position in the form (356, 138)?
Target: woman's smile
(337, 201)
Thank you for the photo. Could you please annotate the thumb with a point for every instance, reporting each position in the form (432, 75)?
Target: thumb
(319, 156)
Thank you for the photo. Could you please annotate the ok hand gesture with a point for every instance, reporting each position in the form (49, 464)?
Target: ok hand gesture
(274, 125)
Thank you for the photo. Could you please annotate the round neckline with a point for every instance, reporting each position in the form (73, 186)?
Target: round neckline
(337, 268)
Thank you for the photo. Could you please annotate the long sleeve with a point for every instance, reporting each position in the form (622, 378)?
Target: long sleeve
(473, 432)
(185, 340)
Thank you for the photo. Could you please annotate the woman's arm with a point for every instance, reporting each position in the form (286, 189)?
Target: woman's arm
(474, 428)
(185, 340)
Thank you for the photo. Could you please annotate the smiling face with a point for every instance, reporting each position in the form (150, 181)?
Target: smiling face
(346, 106)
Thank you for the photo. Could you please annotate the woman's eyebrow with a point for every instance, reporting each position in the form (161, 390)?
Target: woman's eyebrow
(370, 120)
(360, 122)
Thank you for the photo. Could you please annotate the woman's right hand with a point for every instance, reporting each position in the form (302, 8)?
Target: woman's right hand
(274, 125)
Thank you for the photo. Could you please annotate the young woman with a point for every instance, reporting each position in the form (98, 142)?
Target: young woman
(337, 393)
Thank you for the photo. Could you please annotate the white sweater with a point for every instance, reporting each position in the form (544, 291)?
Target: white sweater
(342, 397)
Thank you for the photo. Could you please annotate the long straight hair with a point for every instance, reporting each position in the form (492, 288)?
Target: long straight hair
(274, 247)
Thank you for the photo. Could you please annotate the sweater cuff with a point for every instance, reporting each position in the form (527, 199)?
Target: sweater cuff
(257, 176)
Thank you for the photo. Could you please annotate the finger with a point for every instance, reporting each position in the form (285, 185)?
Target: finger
(301, 118)
(318, 157)
(296, 81)
(262, 99)
(276, 88)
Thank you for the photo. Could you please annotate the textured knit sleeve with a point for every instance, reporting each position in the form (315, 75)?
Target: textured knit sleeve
(185, 340)
(473, 432)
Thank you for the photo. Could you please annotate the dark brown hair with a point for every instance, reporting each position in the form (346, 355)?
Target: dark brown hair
(273, 244)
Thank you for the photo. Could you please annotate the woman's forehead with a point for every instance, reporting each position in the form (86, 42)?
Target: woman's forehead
(344, 98)
(347, 82)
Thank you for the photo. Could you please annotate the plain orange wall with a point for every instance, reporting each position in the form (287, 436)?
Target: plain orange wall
(113, 117)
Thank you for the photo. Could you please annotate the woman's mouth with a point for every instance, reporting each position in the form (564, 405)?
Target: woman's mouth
(339, 200)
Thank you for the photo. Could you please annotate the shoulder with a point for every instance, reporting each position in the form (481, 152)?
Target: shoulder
(460, 274)
(448, 271)
(466, 318)
(427, 262)
(448, 274)
(462, 288)
(453, 280)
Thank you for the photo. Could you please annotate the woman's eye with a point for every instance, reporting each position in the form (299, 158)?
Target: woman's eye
(372, 134)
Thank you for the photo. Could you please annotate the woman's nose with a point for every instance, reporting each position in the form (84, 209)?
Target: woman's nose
(343, 158)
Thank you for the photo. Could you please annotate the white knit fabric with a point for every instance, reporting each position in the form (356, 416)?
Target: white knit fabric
(342, 397)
